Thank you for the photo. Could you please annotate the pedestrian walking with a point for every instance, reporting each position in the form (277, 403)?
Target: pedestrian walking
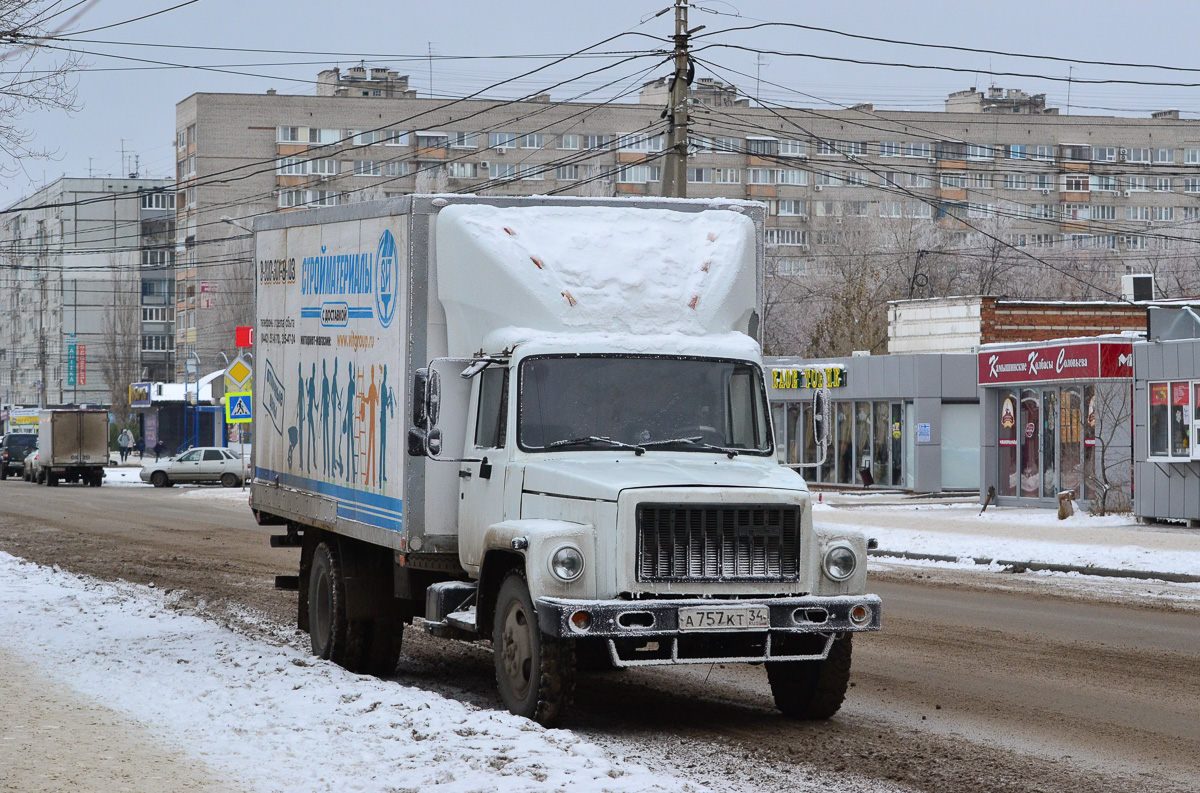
(141, 447)
(158, 449)
(125, 441)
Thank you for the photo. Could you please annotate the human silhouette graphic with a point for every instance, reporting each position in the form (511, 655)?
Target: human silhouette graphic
(298, 428)
(370, 403)
(348, 425)
(387, 408)
(312, 429)
(325, 458)
(335, 403)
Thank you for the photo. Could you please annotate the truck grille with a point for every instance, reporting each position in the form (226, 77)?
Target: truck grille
(718, 542)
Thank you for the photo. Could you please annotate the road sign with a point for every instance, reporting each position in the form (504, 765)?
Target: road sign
(238, 408)
(244, 336)
(237, 375)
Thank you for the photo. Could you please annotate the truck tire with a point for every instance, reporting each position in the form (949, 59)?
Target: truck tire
(229, 480)
(534, 672)
(159, 479)
(51, 479)
(327, 604)
(3, 472)
(96, 479)
(812, 690)
(377, 643)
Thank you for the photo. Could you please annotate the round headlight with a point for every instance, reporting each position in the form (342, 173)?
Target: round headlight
(840, 563)
(567, 563)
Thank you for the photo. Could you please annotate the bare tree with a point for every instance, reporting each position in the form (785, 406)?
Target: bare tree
(35, 73)
(121, 360)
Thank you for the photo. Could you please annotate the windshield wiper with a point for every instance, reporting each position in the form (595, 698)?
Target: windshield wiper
(729, 450)
(638, 450)
(692, 441)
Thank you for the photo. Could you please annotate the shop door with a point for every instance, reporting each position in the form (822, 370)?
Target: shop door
(910, 447)
(960, 447)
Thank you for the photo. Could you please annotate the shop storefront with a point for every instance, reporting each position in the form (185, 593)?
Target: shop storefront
(898, 421)
(1057, 416)
(1166, 409)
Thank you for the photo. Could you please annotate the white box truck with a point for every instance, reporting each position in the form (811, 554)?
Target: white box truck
(543, 422)
(72, 446)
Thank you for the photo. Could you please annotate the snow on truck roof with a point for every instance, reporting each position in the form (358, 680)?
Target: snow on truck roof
(614, 270)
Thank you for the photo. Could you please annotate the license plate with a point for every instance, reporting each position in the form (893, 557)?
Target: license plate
(750, 618)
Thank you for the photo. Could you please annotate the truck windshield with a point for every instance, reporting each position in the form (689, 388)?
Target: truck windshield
(642, 403)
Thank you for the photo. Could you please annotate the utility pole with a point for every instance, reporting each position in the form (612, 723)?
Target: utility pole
(674, 177)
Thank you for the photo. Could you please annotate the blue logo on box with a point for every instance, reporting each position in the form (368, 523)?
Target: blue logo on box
(387, 278)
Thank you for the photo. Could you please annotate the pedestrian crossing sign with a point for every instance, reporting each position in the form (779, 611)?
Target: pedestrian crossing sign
(238, 409)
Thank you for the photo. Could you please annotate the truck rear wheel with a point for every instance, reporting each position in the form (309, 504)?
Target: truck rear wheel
(369, 647)
(96, 479)
(51, 479)
(812, 689)
(534, 672)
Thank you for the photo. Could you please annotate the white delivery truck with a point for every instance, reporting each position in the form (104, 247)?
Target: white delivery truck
(72, 446)
(543, 422)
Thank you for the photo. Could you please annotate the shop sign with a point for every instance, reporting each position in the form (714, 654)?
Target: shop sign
(23, 420)
(139, 395)
(924, 432)
(1086, 361)
(1008, 414)
(809, 377)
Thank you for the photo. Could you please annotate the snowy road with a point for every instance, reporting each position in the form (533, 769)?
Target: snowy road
(979, 681)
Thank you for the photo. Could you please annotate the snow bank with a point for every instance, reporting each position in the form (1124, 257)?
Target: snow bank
(273, 719)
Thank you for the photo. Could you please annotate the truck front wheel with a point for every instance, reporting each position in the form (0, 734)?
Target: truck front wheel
(534, 672)
(812, 689)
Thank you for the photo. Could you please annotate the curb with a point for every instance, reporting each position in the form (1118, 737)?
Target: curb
(1021, 567)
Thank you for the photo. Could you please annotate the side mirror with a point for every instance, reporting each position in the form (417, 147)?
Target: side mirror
(821, 417)
(427, 398)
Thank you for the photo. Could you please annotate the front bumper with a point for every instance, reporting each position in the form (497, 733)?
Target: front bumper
(647, 632)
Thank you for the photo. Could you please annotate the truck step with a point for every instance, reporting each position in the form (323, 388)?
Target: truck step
(290, 583)
(291, 540)
(464, 620)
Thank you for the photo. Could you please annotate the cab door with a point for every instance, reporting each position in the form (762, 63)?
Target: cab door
(482, 484)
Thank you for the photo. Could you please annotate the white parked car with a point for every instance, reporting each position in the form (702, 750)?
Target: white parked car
(203, 464)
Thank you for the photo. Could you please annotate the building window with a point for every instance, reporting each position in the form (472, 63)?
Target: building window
(981, 210)
(291, 166)
(792, 237)
(1043, 181)
(1162, 184)
(827, 209)
(890, 209)
(792, 148)
(287, 134)
(727, 145)
(855, 178)
(981, 181)
(1041, 152)
(323, 137)
(1104, 154)
(1137, 155)
(954, 181)
(464, 140)
(1015, 182)
(462, 170)
(1162, 214)
(1077, 183)
(918, 209)
(788, 266)
(1042, 211)
(532, 172)
(570, 142)
(1104, 184)
(1076, 152)
(639, 174)
(977, 151)
(502, 140)
(1137, 184)
(432, 140)
(323, 198)
(1164, 156)
(1104, 212)
(1191, 156)
(367, 168)
(828, 179)
(159, 200)
(531, 141)
(366, 137)
(827, 148)
(760, 176)
(1135, 242)
(762, 147)
(699, 175)
(727, 176)
(640, 143)
(1076, 212)
(790, 208)
(566, 173)
(918, 180)
(395, 137)
(792, 176)
(502, 170)
(1170, 419)
(593, 142)
(1137, 213)
(891, 149)
(856, 209)
(323, 167)
(1016, 151)
(918, 150)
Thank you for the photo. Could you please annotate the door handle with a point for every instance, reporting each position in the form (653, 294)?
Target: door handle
(465, 473)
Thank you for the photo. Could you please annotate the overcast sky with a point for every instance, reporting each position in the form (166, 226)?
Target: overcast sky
(130, 104)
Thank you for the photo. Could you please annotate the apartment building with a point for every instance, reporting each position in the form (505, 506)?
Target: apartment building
(995, 165)
(86, 275)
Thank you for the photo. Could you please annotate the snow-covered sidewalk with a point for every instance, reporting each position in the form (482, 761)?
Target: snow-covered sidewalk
(268, 717)
(958, 530)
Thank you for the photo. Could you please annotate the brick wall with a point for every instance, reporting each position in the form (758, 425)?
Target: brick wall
(1012, 320)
